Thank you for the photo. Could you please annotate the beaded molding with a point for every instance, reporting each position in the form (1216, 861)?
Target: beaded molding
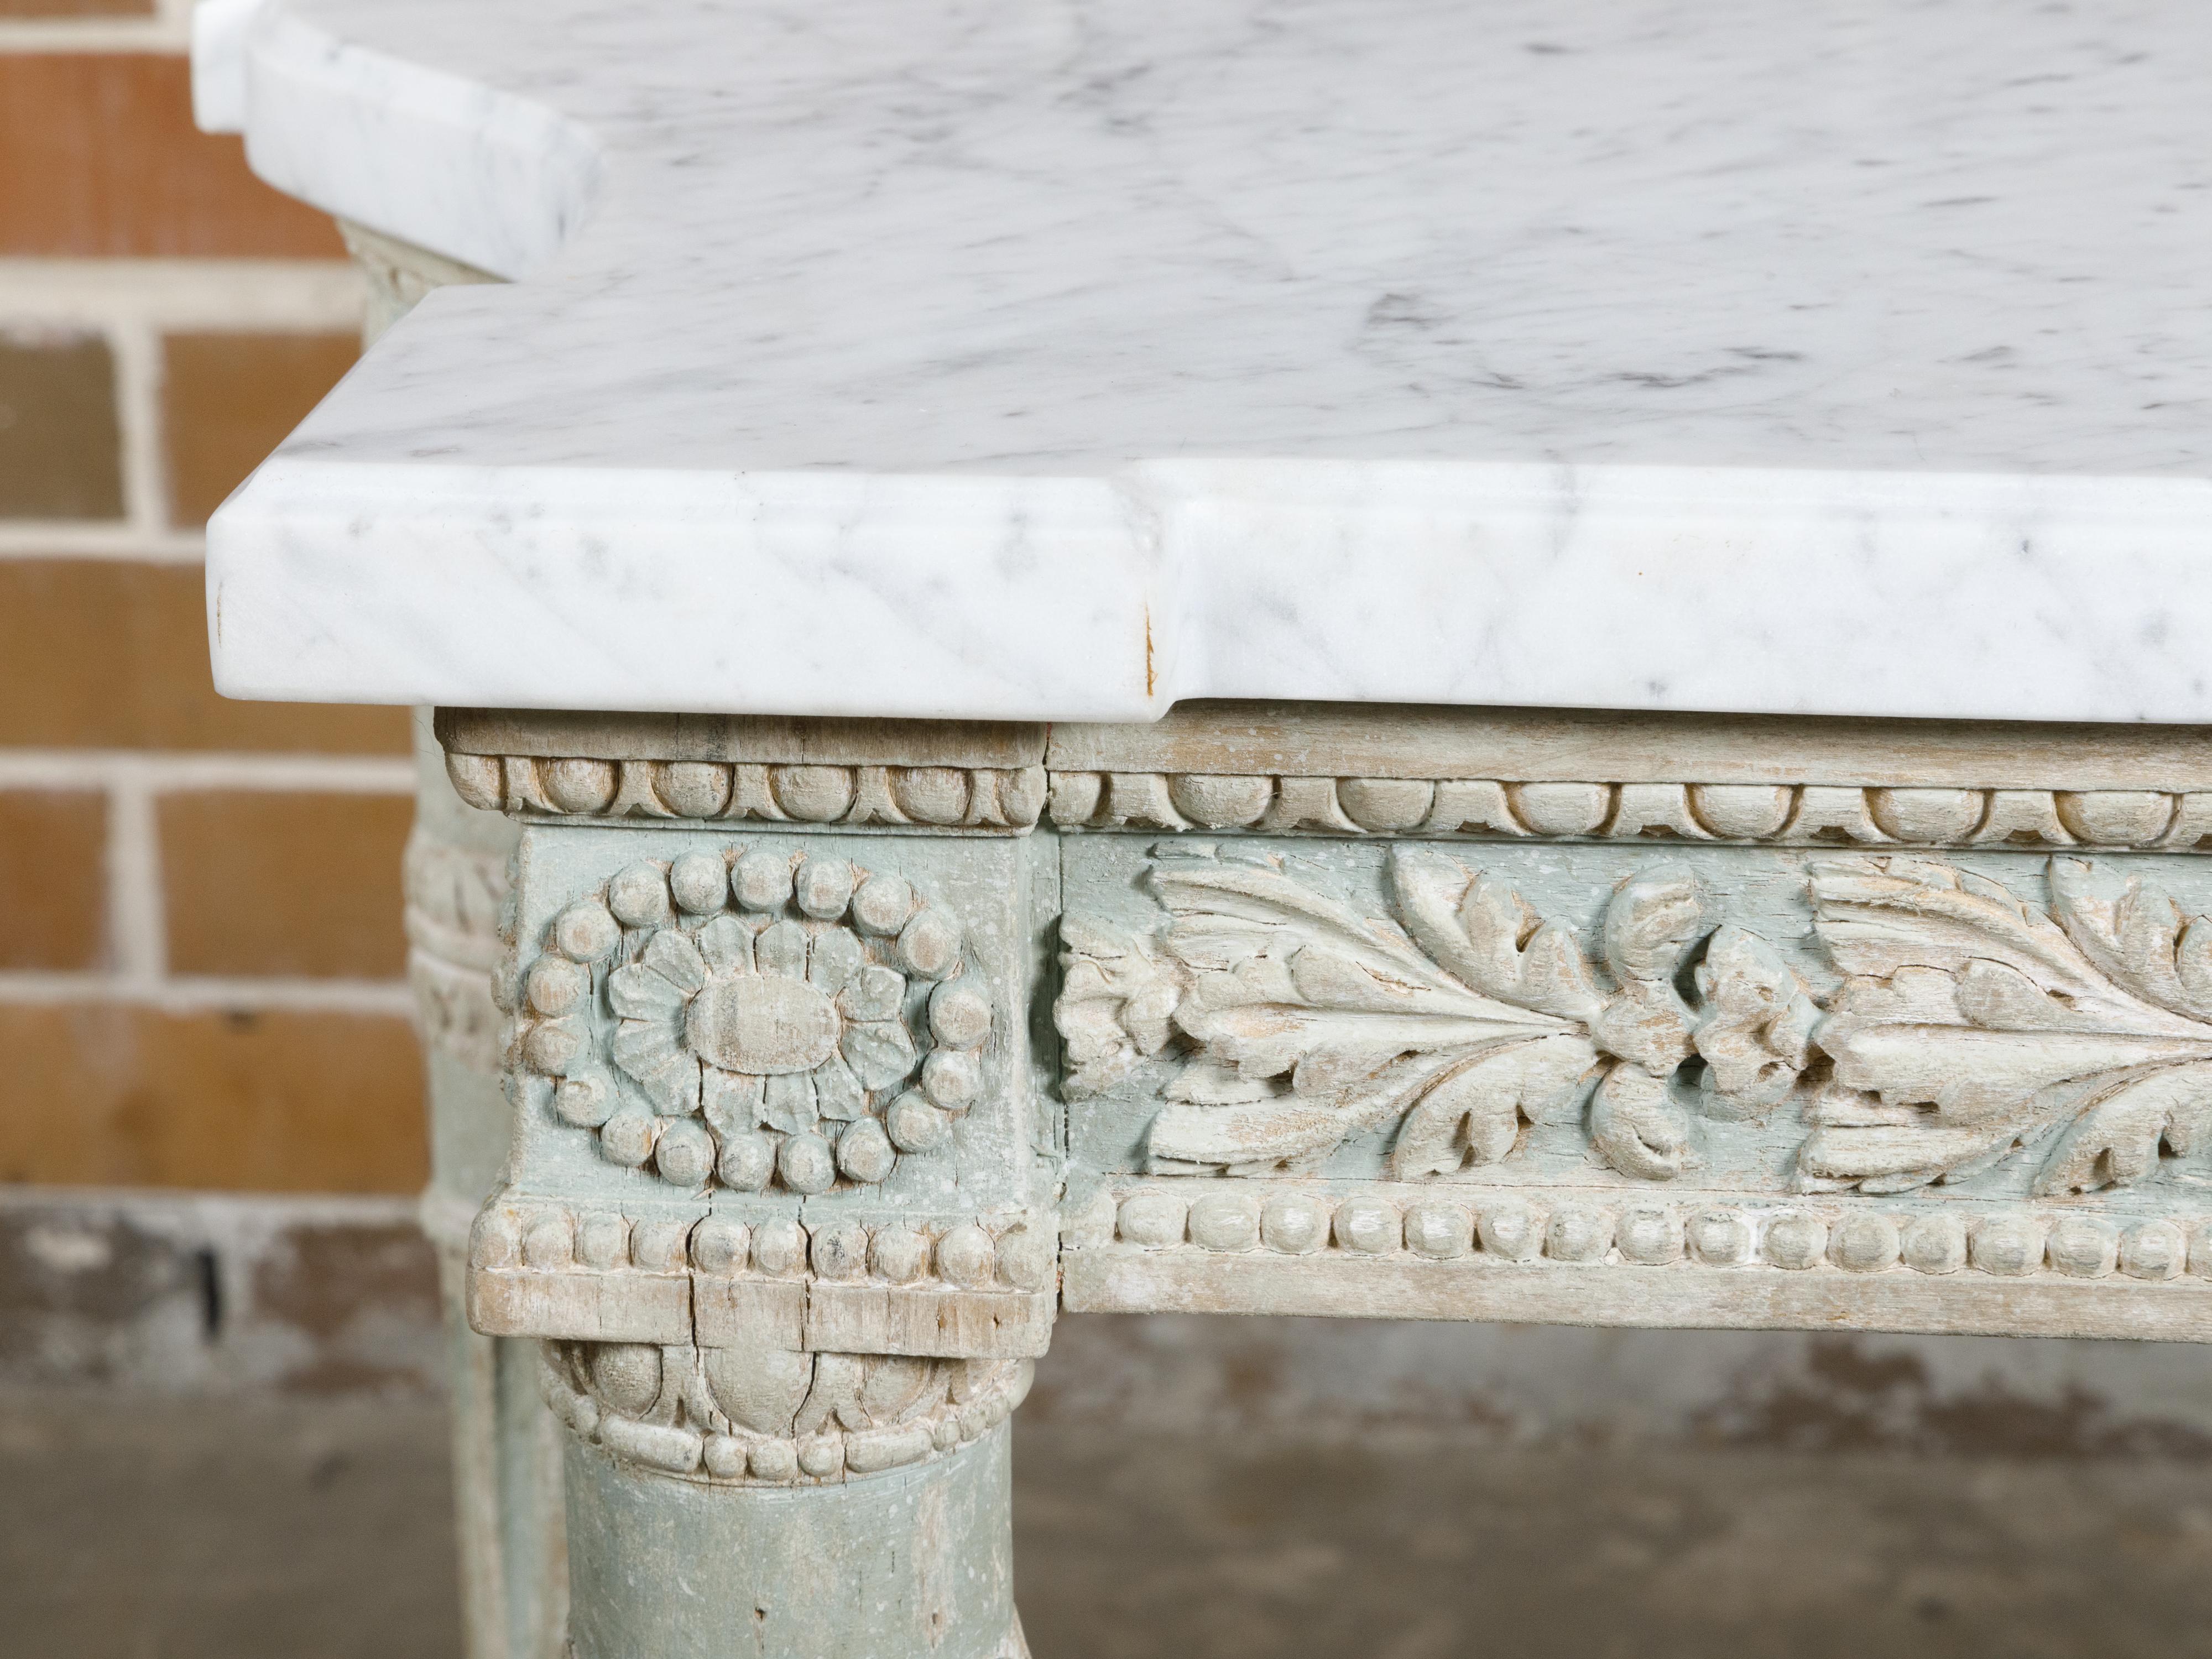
(935, 797)
(965, 1255)
(1783, 814)
(1796, 1237)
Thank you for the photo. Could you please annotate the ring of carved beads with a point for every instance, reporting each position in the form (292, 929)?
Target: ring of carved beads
(662, 1408)
(763, 1012)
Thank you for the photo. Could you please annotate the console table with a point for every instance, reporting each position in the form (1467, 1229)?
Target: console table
(1366, 659)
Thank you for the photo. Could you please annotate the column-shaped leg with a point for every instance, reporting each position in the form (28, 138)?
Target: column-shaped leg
(506, 1451)
(818, 1506)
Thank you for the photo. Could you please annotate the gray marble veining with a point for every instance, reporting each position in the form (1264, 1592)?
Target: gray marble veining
(1063, 360)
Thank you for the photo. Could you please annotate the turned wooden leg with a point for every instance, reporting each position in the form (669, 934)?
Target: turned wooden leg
(835, 1506)
(506, 1450)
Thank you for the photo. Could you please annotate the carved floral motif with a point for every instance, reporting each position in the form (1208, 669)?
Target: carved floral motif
(1969, 1024)
(769, 1416)
(754, 1019)
(1312, 1023)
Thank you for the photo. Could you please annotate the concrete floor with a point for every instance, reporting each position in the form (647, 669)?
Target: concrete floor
(143, 1529)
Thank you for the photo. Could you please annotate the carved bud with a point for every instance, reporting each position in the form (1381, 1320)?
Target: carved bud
(1154, 1218)
(495, 1239)
(626, 1375)
(2082, 1247)
(699, 882)
(1636, 1126)
(841, 1250)
(580, 785)
(1578, 1234)
(1795, 1240)
(1650, 1234)
(719, 1245)
(779, 1247)
(1438, 1230)
(1935, 1244)
(1864, 1243)
(693, 789)
(1511, 1230)
(1025, 1258)
(602, 1240)
(2009, 1245)
(2153, 1250)
(897, 1254)
(1756, 1036)
(1295, 1223)
(1225, 1221)
(476, 780)
(966, 1256)
(1369, 1225)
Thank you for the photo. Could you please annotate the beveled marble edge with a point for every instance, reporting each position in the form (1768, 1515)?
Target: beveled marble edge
(1107, 591)
(1980, 597)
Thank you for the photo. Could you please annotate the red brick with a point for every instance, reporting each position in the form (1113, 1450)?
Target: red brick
(229, 398)
(101, 159)
(53, 890)
(61, 449)
(265, 883)
(98, 1095)
(100, 653)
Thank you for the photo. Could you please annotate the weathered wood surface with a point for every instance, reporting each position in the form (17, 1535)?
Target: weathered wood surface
(772, 739)
(842, 1057)
(1685, 1296)
(1631, 746)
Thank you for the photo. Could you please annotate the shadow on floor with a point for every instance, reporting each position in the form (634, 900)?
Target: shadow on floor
(137, 1529)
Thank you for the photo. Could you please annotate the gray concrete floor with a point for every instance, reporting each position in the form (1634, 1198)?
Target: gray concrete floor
(137, 1529)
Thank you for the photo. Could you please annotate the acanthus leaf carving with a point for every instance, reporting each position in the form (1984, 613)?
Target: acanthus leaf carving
(1312, 1024)
(1970, 1025)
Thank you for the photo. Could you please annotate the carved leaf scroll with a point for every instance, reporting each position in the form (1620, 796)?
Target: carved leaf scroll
(1970, 1025)
(1475, 1016)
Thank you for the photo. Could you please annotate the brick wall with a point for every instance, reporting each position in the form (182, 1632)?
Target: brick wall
(200, 953)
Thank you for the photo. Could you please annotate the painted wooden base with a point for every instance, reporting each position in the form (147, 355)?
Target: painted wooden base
(914, 1564)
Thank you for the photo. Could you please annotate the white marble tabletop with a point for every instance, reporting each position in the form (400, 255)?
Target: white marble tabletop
(1037, 360)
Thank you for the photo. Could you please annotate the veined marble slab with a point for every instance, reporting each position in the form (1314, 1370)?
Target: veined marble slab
(914, 357)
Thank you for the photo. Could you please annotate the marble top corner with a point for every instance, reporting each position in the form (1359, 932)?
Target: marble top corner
(925, 358)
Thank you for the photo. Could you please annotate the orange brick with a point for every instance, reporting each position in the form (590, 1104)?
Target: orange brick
(228, 400)
(61, 452)
(98, 1095)
(53, 893)
(101, 159)
(265, 883)
(96, 654)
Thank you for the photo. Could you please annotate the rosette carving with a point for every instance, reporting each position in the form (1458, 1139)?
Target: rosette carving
(755, 1019)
